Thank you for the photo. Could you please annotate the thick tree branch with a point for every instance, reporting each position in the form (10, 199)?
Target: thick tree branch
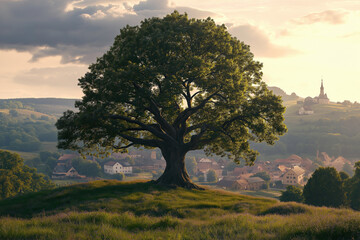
(140, 141)
(123, 147)
(146, 127)
(194, 127)
(195, 139)
(194, 95)
(154, 108)
(184, 115)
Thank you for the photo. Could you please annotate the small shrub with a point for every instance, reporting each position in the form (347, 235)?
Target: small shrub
(119, 176)
(292, 194)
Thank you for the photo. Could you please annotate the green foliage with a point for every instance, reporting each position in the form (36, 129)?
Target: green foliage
(119, 176)
(86, 167)
(15, 178)
(352, 187)
(45, 163)
(292, 194)
(343, 176)
(211, 176)
(191, 165)
(324, 188)
(201, 178)
(21, 133)
(13, 104)
(13, 113)
(263, 175)
(174, 81)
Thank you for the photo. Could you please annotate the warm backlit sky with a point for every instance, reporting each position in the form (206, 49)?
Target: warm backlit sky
(46, 45)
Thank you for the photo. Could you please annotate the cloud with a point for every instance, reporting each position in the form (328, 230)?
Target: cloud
(48, 82)
(151, 5)
(331, 17)
(56, 78)
(260, 43)
(47, 28)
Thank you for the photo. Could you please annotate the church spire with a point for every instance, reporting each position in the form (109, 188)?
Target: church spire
(322, 88)
(323, 99)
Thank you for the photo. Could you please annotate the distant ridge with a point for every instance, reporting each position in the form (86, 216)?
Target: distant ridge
(54, 101)
(278, 91)
(51, 106)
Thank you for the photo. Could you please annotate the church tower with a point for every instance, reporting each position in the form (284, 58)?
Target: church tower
(323, 99)
(322, 89)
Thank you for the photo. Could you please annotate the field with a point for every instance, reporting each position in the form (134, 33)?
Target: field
(141, 210)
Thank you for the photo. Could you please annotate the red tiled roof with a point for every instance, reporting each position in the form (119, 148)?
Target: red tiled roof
(111, 163)
(68, 156)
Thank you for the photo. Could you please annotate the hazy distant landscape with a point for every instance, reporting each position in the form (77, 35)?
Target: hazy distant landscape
(159, 119)
(333, 128)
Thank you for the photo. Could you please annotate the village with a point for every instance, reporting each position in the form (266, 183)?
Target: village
(219, 173)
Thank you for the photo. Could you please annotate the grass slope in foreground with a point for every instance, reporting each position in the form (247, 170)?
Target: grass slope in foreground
(140, 210)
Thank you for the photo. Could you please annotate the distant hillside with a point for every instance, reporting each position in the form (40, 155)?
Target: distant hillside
(288, 99)
(141, 210)
(278, 91)
(51, 106)
(333, 128)
(23, 129)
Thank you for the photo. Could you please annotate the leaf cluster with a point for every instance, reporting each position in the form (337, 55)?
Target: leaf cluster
(16, 178)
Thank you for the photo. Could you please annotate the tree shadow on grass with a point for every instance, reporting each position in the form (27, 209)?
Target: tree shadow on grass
(79, 197)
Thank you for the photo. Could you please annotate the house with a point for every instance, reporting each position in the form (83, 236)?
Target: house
(204, 165)
(305, 110)
(293, 160)
(294, 176)
(232, 183)
(339, 163)
(64, 168)
(249, 169)
(250, 183)
(65, 172)
(113, 167)
(67, 157)
(254, 183)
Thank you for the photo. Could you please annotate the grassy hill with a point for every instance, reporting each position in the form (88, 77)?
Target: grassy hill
(140, 210)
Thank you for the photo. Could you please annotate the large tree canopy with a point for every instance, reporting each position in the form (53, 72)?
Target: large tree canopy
(177, 84)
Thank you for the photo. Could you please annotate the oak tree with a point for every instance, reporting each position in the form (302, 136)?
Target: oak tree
(176, 84)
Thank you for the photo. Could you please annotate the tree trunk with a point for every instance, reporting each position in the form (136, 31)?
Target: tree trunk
(175, 173)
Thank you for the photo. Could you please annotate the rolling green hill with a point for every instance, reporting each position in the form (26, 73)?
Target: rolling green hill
(27, 125)
(141, 210)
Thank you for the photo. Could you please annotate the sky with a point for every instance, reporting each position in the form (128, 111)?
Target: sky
(46, 45)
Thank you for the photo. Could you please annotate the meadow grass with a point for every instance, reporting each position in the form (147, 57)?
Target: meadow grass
(141, 210)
